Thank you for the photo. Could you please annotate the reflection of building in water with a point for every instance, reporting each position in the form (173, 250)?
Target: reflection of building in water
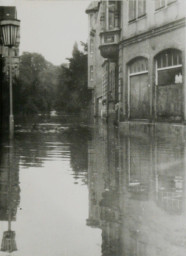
(103, 179)
(153, 217)
(169, 176)
(79, 153)
(9, 195)
(136, 193)
(96, 167)
(139, 167)
(170, 193)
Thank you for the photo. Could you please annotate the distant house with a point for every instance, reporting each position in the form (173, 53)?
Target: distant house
(136, 59)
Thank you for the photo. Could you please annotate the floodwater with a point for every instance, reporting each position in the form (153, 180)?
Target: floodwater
(92, 191)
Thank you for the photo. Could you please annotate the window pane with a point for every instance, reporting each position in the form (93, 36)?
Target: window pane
(170, 76)
(91, 45)
(91, 20)
(175, 60)
(159, 4)
(132, 9)
(135, 68)
(139, 65)
(179, 59)
(91, 72)
(164, 60)
(159, 62)
(141, 7)
(170, 59)
(111, 15)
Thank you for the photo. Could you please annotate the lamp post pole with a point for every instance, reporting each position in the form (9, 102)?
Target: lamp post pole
(11, 117)
(9, 35)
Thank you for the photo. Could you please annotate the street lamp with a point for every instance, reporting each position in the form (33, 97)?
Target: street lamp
(9, 33)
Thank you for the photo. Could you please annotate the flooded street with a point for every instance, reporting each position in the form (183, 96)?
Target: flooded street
(93, 191)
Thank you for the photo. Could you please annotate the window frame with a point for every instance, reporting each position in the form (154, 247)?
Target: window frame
(136, 14)
(91, 73)
(110, 6)
(138, 60)
(167, 67)
(91, 50)
(166, 4)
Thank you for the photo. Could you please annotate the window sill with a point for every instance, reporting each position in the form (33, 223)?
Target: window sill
(159, 9)
(137, 19)
(165, 7)
(172, 84)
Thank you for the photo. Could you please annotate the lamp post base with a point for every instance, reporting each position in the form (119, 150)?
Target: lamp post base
(11, 126)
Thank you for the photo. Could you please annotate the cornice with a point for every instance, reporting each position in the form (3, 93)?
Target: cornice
(154, 32)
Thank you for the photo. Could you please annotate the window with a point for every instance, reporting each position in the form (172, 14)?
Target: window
(111, 14)
(91, 20)
(169, 68)
(105, 80)
(159, 4)
(137, 9)
(91, 73)
(139, 65)
(162, 3)
(91, 45)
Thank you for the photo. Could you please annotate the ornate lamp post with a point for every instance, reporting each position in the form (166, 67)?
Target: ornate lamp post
(9, 32)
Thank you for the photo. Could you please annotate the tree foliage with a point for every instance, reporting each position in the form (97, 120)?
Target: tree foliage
(73, 94)
(34, 90)
(42, 87)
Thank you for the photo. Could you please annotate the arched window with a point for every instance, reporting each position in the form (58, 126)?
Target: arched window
(169, 67)
(137, 66)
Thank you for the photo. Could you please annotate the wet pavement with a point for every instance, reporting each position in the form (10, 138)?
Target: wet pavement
(92, 191)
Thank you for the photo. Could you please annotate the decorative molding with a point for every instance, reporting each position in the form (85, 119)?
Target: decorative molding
(154, 32)
(110, 32)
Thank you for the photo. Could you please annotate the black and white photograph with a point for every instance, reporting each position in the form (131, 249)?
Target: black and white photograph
(92, 128)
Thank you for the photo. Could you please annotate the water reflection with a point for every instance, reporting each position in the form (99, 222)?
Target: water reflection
(137, 192)
(51, 168)
(97, 191)
(9, 195)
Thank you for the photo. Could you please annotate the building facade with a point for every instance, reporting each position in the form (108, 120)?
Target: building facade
(134, 197)
(141, 51)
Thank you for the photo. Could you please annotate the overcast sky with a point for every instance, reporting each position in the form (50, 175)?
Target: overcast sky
(51, 27)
